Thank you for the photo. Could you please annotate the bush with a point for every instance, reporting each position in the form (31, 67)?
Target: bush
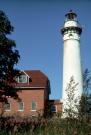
(41, 126)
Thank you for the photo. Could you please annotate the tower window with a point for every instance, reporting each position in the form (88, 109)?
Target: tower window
(70, 35)
(33, 106)
(20, 106)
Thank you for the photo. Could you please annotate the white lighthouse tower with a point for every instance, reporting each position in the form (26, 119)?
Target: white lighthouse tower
(71, 32)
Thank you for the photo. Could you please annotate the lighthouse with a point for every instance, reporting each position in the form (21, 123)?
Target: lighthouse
(71, 32)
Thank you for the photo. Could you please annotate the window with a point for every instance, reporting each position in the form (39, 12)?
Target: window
(33, 106)
(22, 79)
(20, 106)
(7, 107)
(54, 108)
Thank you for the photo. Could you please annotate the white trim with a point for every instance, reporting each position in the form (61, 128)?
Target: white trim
(25, 73)
(33, 110)
(27, 77)
(33, 115)
(20, 109)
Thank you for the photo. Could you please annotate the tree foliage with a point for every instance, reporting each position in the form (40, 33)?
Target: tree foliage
(82, 110)
(86, 82)
(84, 107)
(9, 57)
(70, 109)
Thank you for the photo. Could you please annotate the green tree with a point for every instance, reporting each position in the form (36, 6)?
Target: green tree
(84, 101)
(9, 57)
(82, 109)
(72, 101)
(86, 82)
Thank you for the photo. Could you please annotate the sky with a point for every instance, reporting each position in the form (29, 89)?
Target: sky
(37, 25)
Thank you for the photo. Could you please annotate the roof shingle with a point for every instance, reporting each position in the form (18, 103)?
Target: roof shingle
(37, 79)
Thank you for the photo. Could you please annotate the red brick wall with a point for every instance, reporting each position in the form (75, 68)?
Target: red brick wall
(27, 96)
(57, 104)
(59, 107)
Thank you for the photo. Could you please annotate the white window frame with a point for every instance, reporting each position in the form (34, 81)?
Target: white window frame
(27, 77)
(10, 107)
(20, 109)
(36, 106)
(23, 81)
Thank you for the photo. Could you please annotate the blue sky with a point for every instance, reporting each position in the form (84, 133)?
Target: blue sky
(37, 26)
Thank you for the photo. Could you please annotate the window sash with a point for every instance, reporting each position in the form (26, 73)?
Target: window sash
(33, 106)
(7, 107)
(54, 108)
(22, 79)
(20, 106)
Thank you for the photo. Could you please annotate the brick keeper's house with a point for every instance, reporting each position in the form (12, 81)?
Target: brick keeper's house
(33, 90)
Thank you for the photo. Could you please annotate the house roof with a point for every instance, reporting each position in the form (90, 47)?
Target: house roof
(36, 79)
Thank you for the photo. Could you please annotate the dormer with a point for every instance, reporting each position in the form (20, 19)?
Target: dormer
(23, 77)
